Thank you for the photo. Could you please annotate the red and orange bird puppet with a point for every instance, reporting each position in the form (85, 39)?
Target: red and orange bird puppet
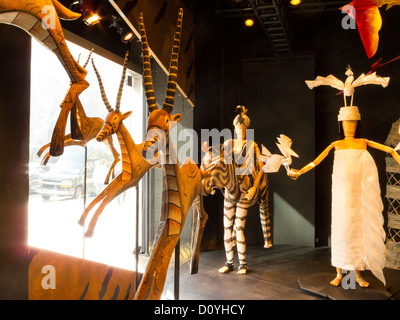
(369, 21)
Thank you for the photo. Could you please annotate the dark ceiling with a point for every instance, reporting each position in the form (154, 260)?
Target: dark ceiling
(279, 22)
(102, 34)
(280, 28)
(274, 19)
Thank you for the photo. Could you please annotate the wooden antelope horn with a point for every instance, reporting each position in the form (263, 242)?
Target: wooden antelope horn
(103, 93)
(173, 68)
(121, 85)
(148, 80)
(88, 59)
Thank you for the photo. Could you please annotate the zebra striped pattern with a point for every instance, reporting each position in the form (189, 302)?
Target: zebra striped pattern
(234, 222)
(224, 176)
(265, 216)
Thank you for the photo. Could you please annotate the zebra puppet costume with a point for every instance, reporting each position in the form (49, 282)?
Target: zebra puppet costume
(243, 182)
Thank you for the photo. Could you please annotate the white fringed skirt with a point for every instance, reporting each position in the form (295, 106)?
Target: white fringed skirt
(357, 239)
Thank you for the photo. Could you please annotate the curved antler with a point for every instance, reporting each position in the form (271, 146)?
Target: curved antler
(121, 85)
(88, 59)
(148, 80)
(173, 68)
(103, 93)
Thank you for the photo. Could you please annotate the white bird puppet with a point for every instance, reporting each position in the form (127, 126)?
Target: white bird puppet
(348, 86)
(274, 161)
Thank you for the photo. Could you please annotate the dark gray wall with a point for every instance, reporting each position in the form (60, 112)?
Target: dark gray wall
(280, 103)
(221, 47)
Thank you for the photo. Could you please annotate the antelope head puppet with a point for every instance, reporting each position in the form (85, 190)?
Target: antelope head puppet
(90, 127)
(133, 164)
(160, 121)
(114, 118)
(40, 19)
(182, 186)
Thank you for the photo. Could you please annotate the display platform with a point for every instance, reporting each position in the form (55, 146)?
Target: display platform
(283, 272)
(317, 284)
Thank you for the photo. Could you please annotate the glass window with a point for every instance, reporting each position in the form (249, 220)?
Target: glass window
(61, 189)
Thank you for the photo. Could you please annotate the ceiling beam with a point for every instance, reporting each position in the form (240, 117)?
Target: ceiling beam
(271, 14)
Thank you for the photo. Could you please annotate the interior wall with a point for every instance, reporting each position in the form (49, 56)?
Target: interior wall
(279, 103)
(207, 112)
(15, 46)
(264, 87)
(221, 47)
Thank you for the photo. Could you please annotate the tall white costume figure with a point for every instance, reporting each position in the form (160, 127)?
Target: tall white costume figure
(357, 239)
(357, 236)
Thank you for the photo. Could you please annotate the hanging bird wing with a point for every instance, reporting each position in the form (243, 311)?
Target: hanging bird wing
(369, 22)
(371, 79)
(366, 4)
(326, 81)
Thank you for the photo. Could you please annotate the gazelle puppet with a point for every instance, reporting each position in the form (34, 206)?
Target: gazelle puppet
(182, 186)
(133, 164)
(90, 127)
(40, 19)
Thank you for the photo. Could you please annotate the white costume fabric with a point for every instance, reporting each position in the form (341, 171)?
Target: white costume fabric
(357, 239)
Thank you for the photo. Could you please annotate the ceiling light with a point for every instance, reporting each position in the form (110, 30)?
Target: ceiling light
(127, 36)
(88, 9)
(295, 2)
(91, 19)
(249, 22)
(123, 29)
